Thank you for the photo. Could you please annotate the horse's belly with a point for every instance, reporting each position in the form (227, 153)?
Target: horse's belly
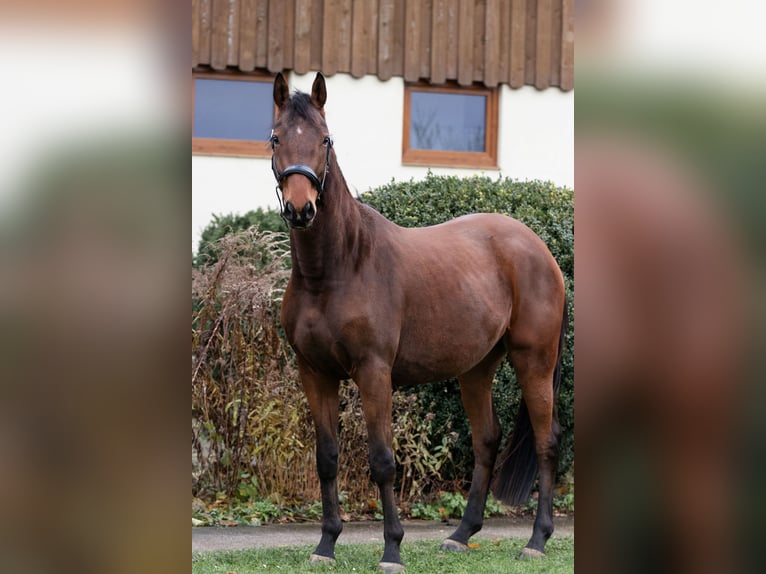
(446, 349)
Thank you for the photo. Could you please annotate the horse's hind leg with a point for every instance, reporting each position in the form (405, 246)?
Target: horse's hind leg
(534, 369)
(322, 395)
(476, 392)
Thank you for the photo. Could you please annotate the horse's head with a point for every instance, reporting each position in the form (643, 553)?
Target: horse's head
(301, 145)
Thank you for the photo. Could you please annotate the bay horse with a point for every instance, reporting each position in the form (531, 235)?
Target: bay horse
(386, 306)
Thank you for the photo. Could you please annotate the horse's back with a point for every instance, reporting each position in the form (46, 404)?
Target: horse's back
(498, 247)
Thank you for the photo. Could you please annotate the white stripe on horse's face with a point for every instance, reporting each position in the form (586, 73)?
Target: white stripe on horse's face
(299, 130)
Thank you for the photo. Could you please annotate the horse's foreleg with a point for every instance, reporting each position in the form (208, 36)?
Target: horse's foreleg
(322, 395)
(534, 372)
(375, 391)
(476, 392)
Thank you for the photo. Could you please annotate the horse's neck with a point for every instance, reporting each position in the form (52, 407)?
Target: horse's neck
(325, 250)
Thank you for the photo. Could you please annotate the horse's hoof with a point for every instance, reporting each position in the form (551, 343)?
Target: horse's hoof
(453, 546)
(390, 567)
(531, 554)
(319, 559)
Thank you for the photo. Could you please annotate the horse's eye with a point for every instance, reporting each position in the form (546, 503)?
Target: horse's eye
(327, 140)
(274, 140)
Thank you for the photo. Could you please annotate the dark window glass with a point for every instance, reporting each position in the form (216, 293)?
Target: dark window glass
(450, 122)
(232, 110)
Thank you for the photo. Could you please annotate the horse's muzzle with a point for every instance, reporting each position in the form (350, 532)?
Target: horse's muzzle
(299, 219)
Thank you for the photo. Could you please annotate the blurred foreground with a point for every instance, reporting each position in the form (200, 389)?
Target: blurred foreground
(94, 268)
(668, 256)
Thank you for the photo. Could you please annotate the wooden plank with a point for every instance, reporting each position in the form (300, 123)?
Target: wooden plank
(205, 30)
(452, 38)
(237, 148)
(479, 40)
(232, 47)
(317, 34)
(412, 41)
(493, 120)
(363, 36)
(555, 73)
(276, 56)
(195, 33)
(261, 33)
(424, 23)
(385, 39)
(504, 44)
(302, 42)
(543, 45)
(371, 19)
(219, 40)
(407, 117)
(247, 35)
(465, 43)
(567, 45)
(439, 37)
(329, 38)
(492, 43)
(398, 43)
(518, 42)
(343, 31)
(358, 39)
(530, 43)
(289, 37)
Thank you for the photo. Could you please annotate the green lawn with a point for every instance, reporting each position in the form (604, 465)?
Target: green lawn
(423, 557)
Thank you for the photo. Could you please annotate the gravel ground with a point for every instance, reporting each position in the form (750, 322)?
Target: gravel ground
(241, 537)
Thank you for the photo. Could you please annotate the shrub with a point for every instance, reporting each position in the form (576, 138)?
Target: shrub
(232, 224)
(252, 436)
(248, 414)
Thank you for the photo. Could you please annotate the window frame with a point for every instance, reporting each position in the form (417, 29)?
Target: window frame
(230, 147)
(449, 158)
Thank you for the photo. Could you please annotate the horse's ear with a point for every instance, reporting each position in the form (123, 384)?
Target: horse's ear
(281, 91)
(319, 92)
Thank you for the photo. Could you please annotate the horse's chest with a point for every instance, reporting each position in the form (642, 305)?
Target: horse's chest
(310, 330)
(318, 339)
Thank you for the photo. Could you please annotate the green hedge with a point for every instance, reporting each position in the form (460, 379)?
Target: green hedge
(546, 209)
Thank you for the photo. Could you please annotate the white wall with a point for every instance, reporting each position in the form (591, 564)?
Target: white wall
(365, 119)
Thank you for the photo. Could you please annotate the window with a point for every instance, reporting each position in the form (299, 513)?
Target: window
(450, 126)
(232, 114)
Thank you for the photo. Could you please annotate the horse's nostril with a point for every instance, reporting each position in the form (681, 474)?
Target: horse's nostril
(308, 210)
(289, 211)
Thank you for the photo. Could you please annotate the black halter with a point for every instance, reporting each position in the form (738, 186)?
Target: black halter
(302, 169)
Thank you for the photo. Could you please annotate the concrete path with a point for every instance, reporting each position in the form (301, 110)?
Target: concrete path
(241, 537)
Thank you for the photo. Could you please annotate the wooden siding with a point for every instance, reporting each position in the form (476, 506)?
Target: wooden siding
(514, 42)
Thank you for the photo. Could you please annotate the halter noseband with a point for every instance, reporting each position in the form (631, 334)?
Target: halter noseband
(300, 168)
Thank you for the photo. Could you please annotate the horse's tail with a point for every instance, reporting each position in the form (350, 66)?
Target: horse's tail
(517, 466)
